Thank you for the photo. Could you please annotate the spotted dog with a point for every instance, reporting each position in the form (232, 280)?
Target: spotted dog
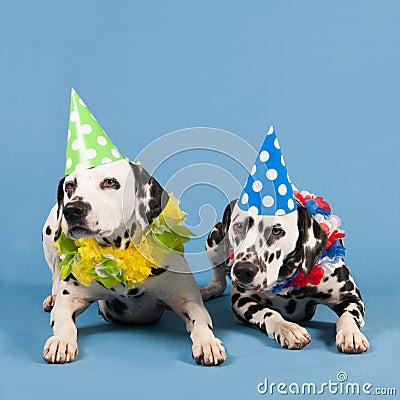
(115, 203)
(259, 252)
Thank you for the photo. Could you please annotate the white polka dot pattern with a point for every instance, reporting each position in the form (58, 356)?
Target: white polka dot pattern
(268, 190)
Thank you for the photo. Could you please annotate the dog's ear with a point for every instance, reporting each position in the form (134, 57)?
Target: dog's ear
(310, 243)
(313, 239)
(151, 198)
(60, 207)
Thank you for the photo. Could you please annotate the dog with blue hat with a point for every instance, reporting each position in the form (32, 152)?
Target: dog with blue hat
(284, 252)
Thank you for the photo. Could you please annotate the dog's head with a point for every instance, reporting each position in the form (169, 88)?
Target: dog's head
(99, 201)
(270, 248)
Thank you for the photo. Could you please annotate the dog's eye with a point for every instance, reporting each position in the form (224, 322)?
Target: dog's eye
(238, 228)
(70, 185)
(109, 183)
(277, 230)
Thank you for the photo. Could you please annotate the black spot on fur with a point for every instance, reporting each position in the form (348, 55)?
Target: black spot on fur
(48, 230)
(271, 258)
(326, 279)
(158, 271)
(347, 299)
(73, 316)
(306, 291)
(321, 295)
(260, 226)
(341, 273)
(105, 240)
(75, 283)
(117, 306)
(244, 300)
(347, 287)
(126, 234)
(210, 327)
(278, 254)
(65, 291)
(117, 242)
(252, 310)
(234, 298)
(250, 222)
(267, 314)
(52, 324)
(291, 306)
(358, 293)
(133, 292)
(240, 289)
(256, 297)
(132, 231)
(330, 290)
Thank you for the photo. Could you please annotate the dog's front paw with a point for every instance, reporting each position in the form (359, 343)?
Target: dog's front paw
(292, 336)
(210, 352)
(211, 291)
(58, 350)
(351, 341)
(48, 303)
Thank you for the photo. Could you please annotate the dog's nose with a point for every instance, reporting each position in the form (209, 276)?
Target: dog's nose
(245, 272)
(76, 210)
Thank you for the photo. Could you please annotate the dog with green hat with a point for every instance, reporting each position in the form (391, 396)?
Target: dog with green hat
(116, 237)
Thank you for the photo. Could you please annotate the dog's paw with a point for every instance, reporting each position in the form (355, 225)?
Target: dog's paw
(210, 352)
(292, 336)
(351, 341)
(211, 291)
(58, 350)
(48, 303)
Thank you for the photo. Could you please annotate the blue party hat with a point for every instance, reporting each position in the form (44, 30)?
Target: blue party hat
(268, 190)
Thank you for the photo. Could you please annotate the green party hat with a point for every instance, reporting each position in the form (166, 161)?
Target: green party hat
(87, 144)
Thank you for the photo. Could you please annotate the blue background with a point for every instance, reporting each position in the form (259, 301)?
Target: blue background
(325, 73)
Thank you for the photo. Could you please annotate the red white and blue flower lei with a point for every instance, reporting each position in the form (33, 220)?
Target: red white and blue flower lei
(334, 250)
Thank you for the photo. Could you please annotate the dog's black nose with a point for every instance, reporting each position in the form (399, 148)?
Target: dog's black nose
(245, 272)
(76, 210)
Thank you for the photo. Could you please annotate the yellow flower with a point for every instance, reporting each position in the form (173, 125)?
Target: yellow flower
(134, 264)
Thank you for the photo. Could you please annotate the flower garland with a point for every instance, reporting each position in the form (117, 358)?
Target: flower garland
(87, 260)
(334, 250)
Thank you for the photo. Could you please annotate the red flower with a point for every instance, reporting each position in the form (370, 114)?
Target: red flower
(322, 203)
(314, 277)
(334, 235)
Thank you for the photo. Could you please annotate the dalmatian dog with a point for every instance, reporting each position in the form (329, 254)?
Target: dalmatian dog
(258, 252)
(115, 203)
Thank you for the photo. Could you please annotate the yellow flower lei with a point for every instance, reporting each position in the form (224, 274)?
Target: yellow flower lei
(87, 260)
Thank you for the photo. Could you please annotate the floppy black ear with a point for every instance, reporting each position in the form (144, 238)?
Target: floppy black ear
(313, 239)
(310, 244)
(60, 207)
(151, 198)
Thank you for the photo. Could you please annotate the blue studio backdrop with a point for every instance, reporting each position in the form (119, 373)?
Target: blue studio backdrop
(324, 74)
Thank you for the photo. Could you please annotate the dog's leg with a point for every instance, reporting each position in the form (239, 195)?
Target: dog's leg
(250, 310)
(342, 295)
(218, 253)
(179, 291)
(62, 347)
(348, 305)
(51, 257)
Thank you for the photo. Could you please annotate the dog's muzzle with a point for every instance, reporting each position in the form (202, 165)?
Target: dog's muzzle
(245, 272)
(75, 212)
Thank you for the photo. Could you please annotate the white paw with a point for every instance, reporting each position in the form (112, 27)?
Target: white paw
(48, 303)
(351, 341)
(212, 290)
(210, 352)
(292, 336)
(58, 350)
